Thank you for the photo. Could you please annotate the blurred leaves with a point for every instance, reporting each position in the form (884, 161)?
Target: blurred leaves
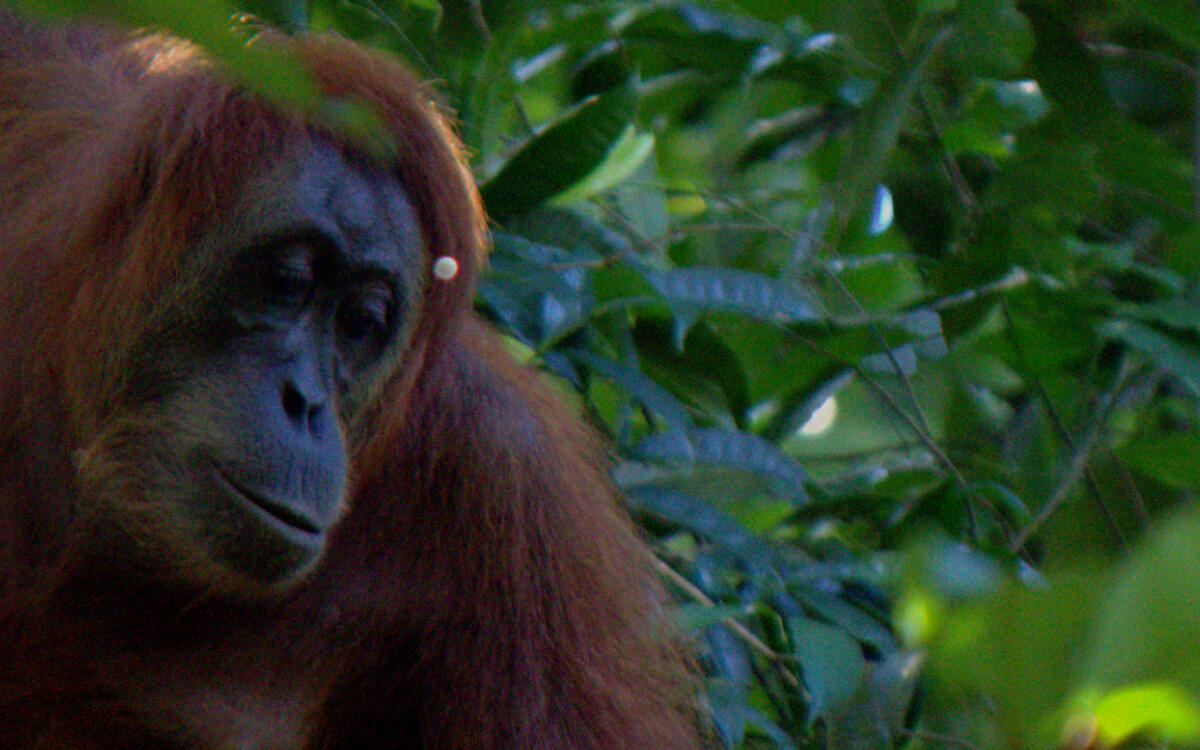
(1089, 656)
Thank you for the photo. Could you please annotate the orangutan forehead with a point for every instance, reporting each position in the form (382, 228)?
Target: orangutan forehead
(315, 188)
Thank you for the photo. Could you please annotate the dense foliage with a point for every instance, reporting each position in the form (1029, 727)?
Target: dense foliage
(890, 311)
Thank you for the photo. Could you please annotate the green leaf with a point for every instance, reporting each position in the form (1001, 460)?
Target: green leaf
(832, 664)
(642, 205)
(1068, 74)
(797, 407)
(721, 44)
(1175, 312)
(875, 719)
(877, 130)
(650, 394)
(997, 494)
(696, 515)
(1177, 17)
(958, 570)
(623, 284)
(993, 38)
(1021, 651)
(1134, 157)
(627, 154)
(692, 290)
(847, 616)
(541, 292)
(265, 69)
(1168, 457)
(572, 231)
(430, 6)
(1149, 621)
(490, 89)
(561, 155)
(732, 714)
(1180, 358)
(704, 360)
(1053, 166)
(733, 449)
(693, 618)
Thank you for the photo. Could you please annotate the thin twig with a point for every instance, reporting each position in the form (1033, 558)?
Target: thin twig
(718, 226)
(1075, 466)
(1111, 50)
(1196, 152)
(925, 438)
(924, 427)
(477, 18)
(523, 116)
(410, 49)
(738, 628)
(1080, 451)
(962, 188)
(1135, 495)
(1196, 148)
(1017, 277)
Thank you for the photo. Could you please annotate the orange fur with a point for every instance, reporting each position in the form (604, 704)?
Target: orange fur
(484, 589)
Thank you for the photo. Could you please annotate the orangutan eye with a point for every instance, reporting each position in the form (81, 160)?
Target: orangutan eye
(365, 316)
(288, 272)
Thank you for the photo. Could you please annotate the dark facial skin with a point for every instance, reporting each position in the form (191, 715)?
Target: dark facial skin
(295, 304)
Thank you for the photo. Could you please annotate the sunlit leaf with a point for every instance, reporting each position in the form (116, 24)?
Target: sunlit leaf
(1159, 709)
(626, 155)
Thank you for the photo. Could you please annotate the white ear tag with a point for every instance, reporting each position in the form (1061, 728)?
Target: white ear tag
(445, 268)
